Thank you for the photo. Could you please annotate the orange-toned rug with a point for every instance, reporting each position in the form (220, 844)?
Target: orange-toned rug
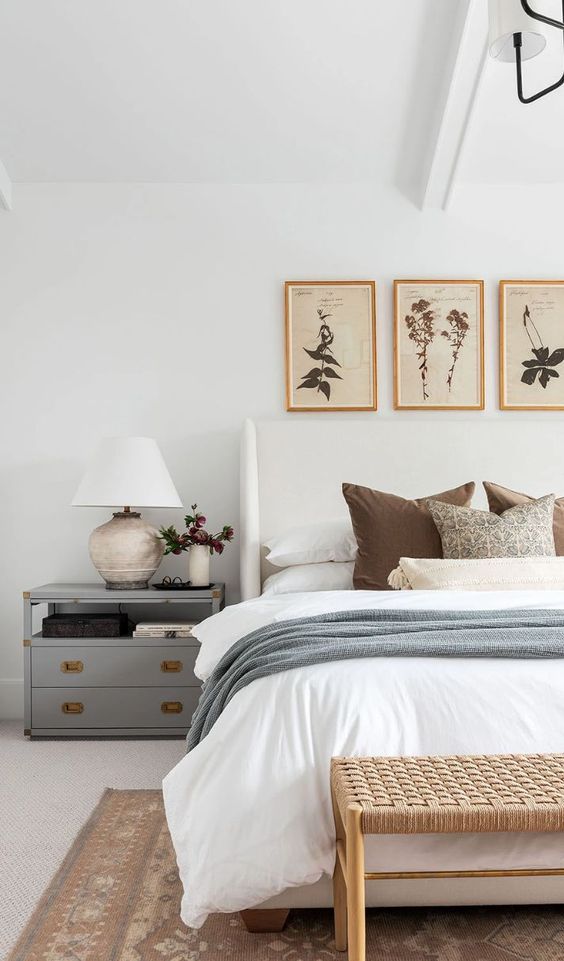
(116, 897)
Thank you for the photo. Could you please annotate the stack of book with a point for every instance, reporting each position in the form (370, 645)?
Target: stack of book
(164, 629)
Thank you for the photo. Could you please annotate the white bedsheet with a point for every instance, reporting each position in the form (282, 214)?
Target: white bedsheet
(249, 809)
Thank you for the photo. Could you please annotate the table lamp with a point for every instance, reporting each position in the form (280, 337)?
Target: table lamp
(128, 471)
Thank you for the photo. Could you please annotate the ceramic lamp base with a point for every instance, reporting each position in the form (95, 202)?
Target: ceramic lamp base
(126, 551)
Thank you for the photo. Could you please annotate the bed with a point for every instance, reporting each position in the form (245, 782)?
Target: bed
(249, 808)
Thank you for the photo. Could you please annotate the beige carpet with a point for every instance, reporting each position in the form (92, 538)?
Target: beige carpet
(116, 898)
(48, 790)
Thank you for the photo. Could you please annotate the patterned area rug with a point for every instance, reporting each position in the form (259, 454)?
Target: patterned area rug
(117, 895)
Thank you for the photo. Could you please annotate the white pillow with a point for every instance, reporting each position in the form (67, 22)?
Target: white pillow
(313, 544)
(311, 577)
(485, 574)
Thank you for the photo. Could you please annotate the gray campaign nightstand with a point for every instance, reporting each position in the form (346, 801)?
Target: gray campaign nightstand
(112, 686)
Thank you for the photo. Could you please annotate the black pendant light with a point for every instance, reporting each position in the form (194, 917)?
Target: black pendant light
(517, 33)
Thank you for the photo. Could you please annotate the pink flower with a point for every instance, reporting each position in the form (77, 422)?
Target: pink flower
(199, 537)
(200, 520)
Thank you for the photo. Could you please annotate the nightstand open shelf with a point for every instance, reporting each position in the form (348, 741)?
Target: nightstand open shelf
(113, 686)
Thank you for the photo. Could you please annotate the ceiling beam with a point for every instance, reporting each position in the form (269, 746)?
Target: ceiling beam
(5, 188)
(456, 103)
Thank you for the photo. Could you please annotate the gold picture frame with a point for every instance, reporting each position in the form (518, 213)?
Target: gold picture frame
(331, 350)
(434, 368)
(531, 312)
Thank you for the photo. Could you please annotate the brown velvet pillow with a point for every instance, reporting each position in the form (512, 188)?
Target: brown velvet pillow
(388, 527)
(501, 499)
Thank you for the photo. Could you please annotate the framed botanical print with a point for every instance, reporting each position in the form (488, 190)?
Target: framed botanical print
(531, 344)
(439, 344)
(330, 345)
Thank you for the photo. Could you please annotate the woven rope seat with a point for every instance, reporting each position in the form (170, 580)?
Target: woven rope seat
(419, 795)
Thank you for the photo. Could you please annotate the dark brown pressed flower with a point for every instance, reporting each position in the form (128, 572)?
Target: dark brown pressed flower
(459, 327)
(420, 326)
(544, 360)
(317, 378)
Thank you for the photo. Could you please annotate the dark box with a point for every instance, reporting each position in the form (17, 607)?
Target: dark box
(87, 625)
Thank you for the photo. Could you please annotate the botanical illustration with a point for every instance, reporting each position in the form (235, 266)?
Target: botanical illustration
(438, 344)
(532, 344)
(544, 360)
(455, 335)
(421, 330)
(330, 345)
(318, 377)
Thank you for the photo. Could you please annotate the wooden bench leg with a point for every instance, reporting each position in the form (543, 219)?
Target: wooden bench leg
(264, 920)
(340, 906)
(356, 919)
(339, 880)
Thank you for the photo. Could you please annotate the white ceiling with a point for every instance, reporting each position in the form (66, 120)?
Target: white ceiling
(216, 90)
(257, 91)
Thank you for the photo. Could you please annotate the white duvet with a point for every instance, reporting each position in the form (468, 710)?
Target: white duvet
(249, 809)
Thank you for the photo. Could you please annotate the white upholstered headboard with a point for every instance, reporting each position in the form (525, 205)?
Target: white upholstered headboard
(292, 470)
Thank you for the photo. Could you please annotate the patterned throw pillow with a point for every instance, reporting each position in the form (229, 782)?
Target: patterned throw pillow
(523, 531)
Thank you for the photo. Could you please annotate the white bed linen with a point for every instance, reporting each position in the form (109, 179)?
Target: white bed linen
(249, 809)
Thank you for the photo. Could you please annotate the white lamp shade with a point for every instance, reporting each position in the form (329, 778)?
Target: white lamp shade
(127, 472)
(506, 18)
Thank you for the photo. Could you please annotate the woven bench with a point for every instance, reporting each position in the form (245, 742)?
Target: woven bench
(433, 795)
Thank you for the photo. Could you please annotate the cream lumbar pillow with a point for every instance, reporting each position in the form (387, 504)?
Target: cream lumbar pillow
(522, 531)
(484, 574)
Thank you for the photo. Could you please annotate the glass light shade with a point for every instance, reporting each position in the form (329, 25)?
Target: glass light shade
(506, 18)
(127, 471)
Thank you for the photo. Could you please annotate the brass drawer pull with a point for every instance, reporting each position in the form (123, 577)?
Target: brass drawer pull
(72, 707)
(172, 707)
(72, 667)
(170, 667)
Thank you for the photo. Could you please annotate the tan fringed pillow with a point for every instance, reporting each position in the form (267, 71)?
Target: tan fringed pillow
(500, 499)
(485, 574)
(388, 527)
(523, 531)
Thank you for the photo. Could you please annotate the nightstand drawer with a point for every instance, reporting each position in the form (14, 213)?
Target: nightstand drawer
(82, 666)
(86, 707)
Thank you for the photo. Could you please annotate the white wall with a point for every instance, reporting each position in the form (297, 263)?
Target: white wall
(158, 310)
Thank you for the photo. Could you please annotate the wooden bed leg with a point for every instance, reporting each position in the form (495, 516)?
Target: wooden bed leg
(264, 920)
(356, 919)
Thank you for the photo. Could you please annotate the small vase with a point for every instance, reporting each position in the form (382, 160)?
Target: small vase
(199, 565)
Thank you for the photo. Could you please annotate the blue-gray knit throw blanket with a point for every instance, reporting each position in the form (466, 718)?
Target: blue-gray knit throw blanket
(342, 635)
